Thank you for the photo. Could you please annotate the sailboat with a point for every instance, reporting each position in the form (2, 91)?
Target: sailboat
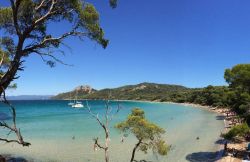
(70, 103)
(77, 104)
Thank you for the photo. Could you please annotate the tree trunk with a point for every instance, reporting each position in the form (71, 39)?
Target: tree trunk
(135, 148)
(9, 76)
(15, 65)
(107, 146)
(106, 155)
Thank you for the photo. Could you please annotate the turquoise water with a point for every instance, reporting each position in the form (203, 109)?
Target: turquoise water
(50, 126)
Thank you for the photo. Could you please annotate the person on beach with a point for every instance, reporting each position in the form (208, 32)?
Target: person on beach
(225, 147)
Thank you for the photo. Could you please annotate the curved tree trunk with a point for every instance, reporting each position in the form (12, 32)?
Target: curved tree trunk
(135, 148)
(9, 76)
(15, 65)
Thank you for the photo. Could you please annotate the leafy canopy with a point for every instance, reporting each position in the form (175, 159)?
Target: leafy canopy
(148, 133)
(25, 26)
(239, 77)
(238, 130)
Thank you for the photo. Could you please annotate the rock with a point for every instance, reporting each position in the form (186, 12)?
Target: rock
(84, 88)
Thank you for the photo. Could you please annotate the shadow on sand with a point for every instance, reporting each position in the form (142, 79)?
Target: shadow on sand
(220, 117)
(18, 159)
(221, 141)
(204, 156)
(9, 158)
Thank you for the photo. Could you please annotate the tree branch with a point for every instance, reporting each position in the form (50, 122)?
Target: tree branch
(40, 20)
(1, 62)
(42, 44)
(41, 54)
(40, 5)
(97, 144)
(13, 128)
(96, 117)
(15, 6)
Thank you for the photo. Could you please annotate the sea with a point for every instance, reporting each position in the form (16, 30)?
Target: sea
(59, 133)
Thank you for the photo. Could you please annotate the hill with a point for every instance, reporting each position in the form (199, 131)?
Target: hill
(142, 91)
(80, 92)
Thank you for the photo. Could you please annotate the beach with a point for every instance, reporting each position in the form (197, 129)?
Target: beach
(52, 124)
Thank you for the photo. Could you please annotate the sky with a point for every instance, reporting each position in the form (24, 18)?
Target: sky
(184, 42)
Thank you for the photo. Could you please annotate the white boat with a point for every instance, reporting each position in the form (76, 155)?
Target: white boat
(77, 105)
(70, 102)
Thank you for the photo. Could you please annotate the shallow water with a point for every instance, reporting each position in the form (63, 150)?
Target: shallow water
(51, 125)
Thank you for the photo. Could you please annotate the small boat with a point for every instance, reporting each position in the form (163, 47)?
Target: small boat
(71, 102)
(77, 105)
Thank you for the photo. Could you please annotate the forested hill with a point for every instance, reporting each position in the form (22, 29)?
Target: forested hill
(79, 92)
(142, 91)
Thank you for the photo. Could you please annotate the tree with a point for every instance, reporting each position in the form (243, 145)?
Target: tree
(24, 25)
(105, 126)
(239, 77)
(240, 130)
(148, 134)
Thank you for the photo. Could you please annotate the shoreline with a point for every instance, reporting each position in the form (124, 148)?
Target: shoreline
(219, 111)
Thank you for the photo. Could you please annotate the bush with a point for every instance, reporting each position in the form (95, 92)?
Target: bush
(238, 130)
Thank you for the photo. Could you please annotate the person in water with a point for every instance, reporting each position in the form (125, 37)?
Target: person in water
(197, 138)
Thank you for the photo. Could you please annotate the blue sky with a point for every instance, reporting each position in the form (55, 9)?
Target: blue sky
(187, 42)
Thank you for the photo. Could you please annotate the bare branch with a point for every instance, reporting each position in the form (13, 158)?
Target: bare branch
(50, 12)
(1, 62)
(9, 141)
(15, 6)
(13, 128)
(40, 5)
(42, 44)
(95, 116)
(117, 111)
(40, 20)
(41, 54)
(97, 144)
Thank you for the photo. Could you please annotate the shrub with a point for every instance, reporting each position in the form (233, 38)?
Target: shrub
(238, 130)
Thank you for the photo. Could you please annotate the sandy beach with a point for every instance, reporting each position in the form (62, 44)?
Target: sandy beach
(239, 146)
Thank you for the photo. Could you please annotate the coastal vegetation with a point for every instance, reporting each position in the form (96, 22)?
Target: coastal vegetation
(143, 91)
(240, 130)
(148, 134)
(235, 96)
(24, 26)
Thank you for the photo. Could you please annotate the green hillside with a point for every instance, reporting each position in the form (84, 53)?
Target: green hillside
(210, 95)
(143, 91)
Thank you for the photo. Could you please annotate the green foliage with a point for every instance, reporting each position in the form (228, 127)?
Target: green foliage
(6, 20)
(32, 21)
(239, 97)
(211, 96)
(238, 130)
(239, 77)
(147, 133)
(143, 91)
(113, 3)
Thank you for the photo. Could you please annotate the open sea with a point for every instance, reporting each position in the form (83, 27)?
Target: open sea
(60, 133)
